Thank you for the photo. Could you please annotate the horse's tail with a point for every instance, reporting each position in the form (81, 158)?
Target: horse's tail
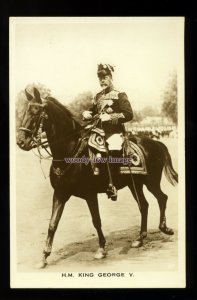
(169, 171)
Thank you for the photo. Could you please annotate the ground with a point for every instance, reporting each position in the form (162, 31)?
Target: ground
(75, 241)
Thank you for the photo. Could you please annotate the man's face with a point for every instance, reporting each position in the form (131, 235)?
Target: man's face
(105, 81)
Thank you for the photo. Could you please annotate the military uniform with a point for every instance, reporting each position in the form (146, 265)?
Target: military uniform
(114, 109)
(117, 105)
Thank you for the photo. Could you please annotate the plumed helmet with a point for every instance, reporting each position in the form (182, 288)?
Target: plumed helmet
(104, 69)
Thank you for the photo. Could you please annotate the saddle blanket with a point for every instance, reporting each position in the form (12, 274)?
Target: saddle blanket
(136, 160)
(96, 140)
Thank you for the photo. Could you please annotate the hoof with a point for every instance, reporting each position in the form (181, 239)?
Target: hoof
(101, 253)
(137, 243)
(143, 234)
(41, 265)
(167, 230)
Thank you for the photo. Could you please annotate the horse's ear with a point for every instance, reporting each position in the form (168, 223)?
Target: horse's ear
(28, 95)
(37, 95)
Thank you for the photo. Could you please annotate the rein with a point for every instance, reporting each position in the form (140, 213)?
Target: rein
(38, 130)
(36, 138)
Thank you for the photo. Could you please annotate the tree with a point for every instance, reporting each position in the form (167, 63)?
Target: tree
(137, 116)
(169, 106)
(149, 111)
(82, 102)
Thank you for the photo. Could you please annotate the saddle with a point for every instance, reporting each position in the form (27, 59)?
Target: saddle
(130, 155)
(129, 159)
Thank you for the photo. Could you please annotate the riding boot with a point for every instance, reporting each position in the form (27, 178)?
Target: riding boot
(112, 192)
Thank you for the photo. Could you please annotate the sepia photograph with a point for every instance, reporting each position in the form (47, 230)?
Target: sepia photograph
(97, 188)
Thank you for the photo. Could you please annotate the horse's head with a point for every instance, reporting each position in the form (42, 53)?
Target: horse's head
(32, 121)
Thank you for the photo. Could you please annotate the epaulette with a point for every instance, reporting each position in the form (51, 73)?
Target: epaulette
(113, 94)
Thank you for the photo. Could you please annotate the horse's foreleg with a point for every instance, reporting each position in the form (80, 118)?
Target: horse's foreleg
(57, 209)
(92, 202)
(138, 194)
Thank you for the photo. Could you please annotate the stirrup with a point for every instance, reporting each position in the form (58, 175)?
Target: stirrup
(112, 192)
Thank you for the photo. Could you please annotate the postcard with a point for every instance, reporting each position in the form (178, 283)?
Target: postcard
(97, 159)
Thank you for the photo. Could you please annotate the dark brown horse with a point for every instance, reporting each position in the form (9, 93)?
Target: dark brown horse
(64, 136)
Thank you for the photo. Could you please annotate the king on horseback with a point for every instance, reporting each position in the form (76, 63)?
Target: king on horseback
(113, 110)
(66, 137)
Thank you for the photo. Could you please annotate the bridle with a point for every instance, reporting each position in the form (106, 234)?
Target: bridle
(37, 131)
(39, 144)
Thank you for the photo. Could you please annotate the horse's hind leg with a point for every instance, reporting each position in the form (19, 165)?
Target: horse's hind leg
(57, 209)
(155, 189)
(137, 191)
(92, 202)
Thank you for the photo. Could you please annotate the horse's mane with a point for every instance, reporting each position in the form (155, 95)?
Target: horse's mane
(62, 107)
(60, 113)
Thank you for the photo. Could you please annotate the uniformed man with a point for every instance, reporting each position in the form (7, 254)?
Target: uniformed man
(113, 108)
